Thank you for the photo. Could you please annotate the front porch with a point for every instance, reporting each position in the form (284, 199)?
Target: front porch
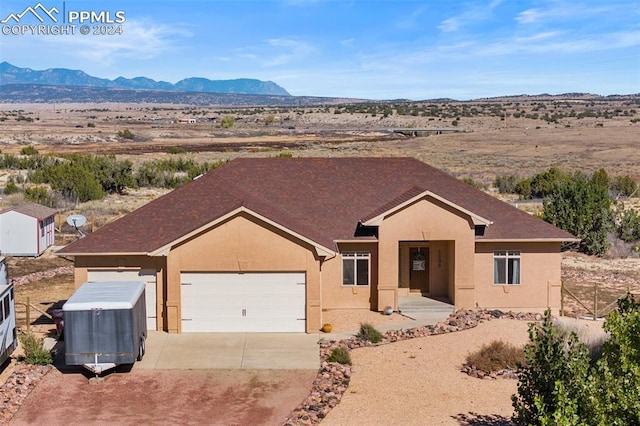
(425, 268)
(424, 310)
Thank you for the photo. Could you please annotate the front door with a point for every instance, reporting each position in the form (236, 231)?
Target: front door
(419, 270)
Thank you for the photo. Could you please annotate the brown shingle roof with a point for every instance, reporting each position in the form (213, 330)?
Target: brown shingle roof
(34, 210)
(322, 199)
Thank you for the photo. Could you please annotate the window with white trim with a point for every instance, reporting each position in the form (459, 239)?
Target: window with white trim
(355, 268)
(506, 267)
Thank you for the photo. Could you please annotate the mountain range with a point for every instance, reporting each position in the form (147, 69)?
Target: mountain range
(10, 75)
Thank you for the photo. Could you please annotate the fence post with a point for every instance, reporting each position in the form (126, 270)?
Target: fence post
(595, 301)
(28, 310)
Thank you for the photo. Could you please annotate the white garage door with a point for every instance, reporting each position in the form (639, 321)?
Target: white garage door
(147, 276)
(250, 302)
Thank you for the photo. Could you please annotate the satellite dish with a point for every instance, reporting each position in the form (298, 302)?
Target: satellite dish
(76, 220)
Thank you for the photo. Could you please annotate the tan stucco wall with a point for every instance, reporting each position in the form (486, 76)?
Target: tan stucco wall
(243, 244)
(428, 220)
(540, 278)
(85, 263)
(338, 296)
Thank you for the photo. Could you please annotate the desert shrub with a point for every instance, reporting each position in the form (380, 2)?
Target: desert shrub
(171, 173)
(582, 208)
(34, 351)
(11, 187)
(283, 155)
(71, 180)
(506, 184)
(369, 332)
(40, 195)
(227, 121)
(340, 355)
(85, 177)
(523, 189)
(126, 134)
(628, 225)
(601, 177)
(623, 186)
(91, 125)
(474, 183)
(28, 150)
(496, 356)
(175, 150)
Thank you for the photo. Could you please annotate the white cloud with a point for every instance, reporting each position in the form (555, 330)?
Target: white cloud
(474, 13)
(139, 40)
(287, 50)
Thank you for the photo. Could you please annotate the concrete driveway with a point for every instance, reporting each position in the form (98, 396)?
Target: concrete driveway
(205, 351)
(256, 351)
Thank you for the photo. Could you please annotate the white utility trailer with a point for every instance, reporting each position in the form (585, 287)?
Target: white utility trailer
(105, 325)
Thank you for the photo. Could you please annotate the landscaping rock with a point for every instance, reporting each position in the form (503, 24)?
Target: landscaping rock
(332, 380)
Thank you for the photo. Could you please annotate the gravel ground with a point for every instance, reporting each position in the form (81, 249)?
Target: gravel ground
(349, 320)
(419, 382)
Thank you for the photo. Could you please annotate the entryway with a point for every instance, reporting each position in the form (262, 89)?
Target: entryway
(419, 270)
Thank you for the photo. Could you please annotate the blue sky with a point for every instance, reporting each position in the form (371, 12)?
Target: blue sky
(363, 49)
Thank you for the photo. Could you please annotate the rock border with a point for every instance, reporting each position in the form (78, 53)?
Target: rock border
(333, 378)
(18, 386)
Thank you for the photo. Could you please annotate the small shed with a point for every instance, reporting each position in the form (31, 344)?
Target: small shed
(26, 230)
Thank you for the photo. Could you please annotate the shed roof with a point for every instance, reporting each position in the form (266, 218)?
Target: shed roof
(32, 209)
(322, 199)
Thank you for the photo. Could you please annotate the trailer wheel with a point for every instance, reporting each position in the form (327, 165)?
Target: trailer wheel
(141, 350)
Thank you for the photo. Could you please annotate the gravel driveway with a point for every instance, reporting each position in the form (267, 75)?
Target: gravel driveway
(185, 397)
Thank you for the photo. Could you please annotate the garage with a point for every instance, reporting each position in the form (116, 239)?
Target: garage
(147, 276)
(243, 302)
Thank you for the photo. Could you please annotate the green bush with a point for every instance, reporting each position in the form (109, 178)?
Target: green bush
(126, 134)
(28, 150)
(624, 186)
(562, 386)
(506, 184)
(175, 150)
(556, 371)
(496, 356)
(34, 352)
(583, 208)
(628, 227)
(368, 332)
(227, 121)
(10, 187)
(40, 195)
(341, 355)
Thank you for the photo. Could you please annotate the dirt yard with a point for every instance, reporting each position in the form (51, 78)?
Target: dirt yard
(220, 397)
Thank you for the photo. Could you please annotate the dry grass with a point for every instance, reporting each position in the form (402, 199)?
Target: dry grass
(588, 332)
(496, 356)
